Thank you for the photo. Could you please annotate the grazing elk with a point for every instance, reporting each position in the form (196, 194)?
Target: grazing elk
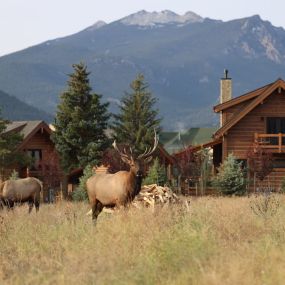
(120, 188)
(21, 190)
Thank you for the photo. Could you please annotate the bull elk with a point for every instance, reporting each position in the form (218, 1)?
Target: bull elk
(120, 188)
(20, 191)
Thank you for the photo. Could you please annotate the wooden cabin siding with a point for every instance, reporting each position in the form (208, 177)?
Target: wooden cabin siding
(230, 112)
(275, 178)
(241, 136)
(40, 141)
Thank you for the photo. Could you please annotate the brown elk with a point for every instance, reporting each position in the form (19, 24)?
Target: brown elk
(120, 188)
(20, 191)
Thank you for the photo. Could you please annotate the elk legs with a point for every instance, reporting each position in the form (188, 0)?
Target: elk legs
(97, 207)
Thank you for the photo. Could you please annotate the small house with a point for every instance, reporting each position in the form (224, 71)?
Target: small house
(38, 145)
(251, 122)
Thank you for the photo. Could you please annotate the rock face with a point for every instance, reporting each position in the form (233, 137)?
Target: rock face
(144, 18)
(181, 56)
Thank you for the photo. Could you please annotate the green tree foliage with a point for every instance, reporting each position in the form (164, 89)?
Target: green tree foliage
(14, 175)
(135, 123)
(80, 122)
(80, 194)
(156, 174)
(9, 142)
(230, 179)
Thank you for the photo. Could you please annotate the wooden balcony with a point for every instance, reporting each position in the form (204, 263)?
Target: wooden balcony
(273, 142)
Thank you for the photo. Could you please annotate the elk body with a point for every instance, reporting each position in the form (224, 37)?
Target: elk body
(21, 190)
(120, 188)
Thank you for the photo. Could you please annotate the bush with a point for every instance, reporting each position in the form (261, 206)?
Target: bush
(230, 179)
(14, 175)
(156, 174)
(80, 193)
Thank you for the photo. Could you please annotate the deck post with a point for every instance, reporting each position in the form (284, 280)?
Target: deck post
(255, 137)
(280, 142)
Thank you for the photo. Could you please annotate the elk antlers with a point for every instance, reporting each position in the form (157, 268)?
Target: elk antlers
(147, 153)
(150, 151)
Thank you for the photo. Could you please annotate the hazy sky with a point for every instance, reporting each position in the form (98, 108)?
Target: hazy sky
(28, 22)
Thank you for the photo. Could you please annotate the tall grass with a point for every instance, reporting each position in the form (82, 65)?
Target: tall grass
(219, 241)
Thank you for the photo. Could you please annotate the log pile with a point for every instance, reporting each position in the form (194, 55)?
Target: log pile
(153, 194)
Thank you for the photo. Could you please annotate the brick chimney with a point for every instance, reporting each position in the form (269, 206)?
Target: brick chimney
(225, 93)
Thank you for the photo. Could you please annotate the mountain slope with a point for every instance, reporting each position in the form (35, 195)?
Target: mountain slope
(15, 110)
(182, 58)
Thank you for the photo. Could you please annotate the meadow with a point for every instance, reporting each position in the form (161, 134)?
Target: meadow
(218, 241)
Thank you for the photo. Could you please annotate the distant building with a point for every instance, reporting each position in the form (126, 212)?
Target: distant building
(255, 120)
(37, 144)
(174, 142)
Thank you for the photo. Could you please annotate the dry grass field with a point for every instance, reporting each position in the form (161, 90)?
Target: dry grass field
(219, 241)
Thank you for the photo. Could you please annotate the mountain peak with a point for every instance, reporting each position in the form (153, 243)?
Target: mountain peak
(96, 26)
(144, 18)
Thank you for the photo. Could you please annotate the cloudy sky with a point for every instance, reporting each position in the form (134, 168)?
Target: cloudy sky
(24, 23)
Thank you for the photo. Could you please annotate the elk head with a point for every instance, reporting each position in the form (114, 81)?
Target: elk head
(137, 163)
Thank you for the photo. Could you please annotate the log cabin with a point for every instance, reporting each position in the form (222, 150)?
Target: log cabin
(255, 119)
(45, 161)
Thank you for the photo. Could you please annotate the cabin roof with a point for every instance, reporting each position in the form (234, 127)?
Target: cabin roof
(240, 99)
(259, 97)
(176, 141)
(191, 149)
(27, 129)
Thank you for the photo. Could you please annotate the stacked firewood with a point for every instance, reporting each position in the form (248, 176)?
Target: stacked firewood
(153, 194)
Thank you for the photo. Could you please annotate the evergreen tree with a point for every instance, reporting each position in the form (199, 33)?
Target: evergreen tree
(9, 142)
(80, 122)
(80, 194)
(230, 179)
(156, 174)
(137, 119)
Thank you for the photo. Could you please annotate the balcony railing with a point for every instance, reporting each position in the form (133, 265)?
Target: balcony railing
(274, 142)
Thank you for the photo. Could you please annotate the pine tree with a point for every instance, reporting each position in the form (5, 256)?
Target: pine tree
(80, 122)
(156, 174)
(9, 142)
(137, 119)
(231, 177)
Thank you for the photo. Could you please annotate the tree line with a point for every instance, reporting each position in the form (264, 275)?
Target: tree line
(82, 121)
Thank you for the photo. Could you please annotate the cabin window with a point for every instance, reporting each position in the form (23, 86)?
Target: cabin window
(275, 125)
(36, 154)
(278, 160)
(278, 163)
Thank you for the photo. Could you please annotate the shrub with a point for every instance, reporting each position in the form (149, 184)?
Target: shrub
(230, 179)
(14, 175)
(156, 174)
(265, 205)
(80, 193)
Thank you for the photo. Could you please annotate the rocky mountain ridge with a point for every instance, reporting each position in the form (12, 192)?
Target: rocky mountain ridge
(181, 56)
